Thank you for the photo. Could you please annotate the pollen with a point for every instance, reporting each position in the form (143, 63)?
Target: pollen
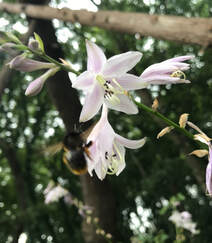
(178, 74)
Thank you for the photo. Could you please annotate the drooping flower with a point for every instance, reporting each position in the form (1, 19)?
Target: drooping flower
(107, 81)
(167, 72)
(35, 86)
(21, 63)
(107, 152)
(209, 172)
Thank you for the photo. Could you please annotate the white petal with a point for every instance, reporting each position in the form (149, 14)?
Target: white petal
(122, 163)
(96, 57)
(120, 64)
(84, 81)
(126, 105)
(163, 79)
(93, 102)
(100, 171)
(133, 144)
(179, 59)
(131, 82)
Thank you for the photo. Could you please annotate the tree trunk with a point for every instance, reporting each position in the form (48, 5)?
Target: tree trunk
(181, 29)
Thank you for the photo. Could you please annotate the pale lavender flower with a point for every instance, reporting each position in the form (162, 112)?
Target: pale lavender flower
(107, 152)
(107, 81)
(54, 193)
(167, 72)
(36, 86)
(184, 220)
(24, 64)
(209, 172)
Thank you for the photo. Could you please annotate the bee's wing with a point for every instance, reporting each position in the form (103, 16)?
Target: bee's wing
(53, 149)
(87, 132)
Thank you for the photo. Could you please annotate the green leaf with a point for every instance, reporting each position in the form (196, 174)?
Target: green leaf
(41, 45)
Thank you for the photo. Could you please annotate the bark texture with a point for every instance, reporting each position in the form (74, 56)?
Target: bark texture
(182, 29)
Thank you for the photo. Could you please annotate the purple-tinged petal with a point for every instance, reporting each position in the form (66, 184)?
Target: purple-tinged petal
(126, 105)
(100, 170)
(209, 173)
(131, 82)
(133, 144)
(96, 57)
(164, 79)
(120, 64)
(179, 59)
(35, 87)
(84, 81)
(93, 102)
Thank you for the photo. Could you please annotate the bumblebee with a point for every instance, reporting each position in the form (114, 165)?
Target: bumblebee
(75, 149)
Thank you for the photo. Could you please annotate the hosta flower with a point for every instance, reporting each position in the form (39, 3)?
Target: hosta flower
(107, 152)
(107, 81)
(209, 172)
(24, 64)
(167, 72)
(35, 86)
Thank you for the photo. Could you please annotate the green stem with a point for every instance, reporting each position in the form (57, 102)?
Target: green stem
(49, 59)
(169, 122)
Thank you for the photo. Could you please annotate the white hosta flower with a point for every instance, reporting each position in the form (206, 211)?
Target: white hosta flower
(107, 152)
(107, 81)
(54, 193)
(167, 72)
(184, 220)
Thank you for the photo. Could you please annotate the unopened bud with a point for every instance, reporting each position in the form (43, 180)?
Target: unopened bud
(155, 104)
(24, 64)
(35, 86)
(199, 153)
(33, 44)
(183, 120)
(164, 131)
(96, 220)
(108, 236)
(88, 220)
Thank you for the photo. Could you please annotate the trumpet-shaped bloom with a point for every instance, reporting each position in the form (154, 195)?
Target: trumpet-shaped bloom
(36, 86)
(107, 81)
(107, 152)
(24, 64)
(167, 72)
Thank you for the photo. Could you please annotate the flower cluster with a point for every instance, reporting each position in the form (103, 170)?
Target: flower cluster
(184, 220)
(106, 84)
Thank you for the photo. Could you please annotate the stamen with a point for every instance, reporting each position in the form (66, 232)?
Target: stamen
(178, 74)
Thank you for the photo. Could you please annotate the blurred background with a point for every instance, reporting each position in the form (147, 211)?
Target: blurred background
(160, 178)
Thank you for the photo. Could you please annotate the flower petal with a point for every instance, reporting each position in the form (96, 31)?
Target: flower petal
(122, 163)
(133, 144)
(163, 79)
(96, 57)
(120, 64)
(100, 170)
(179, 59)
(131, 82)
(84, 80)
(209, 173)
(93, 102)
(126, 105)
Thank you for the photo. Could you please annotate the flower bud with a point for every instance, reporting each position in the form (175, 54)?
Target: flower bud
(164, 131)
(24, 64)
(199, 152)
(155, 104)
(183, 120)
(35, 86)
(33, 44)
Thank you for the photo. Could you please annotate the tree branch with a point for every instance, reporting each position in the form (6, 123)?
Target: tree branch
(174, 28)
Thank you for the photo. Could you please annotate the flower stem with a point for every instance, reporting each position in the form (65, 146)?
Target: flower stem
(169, 122)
